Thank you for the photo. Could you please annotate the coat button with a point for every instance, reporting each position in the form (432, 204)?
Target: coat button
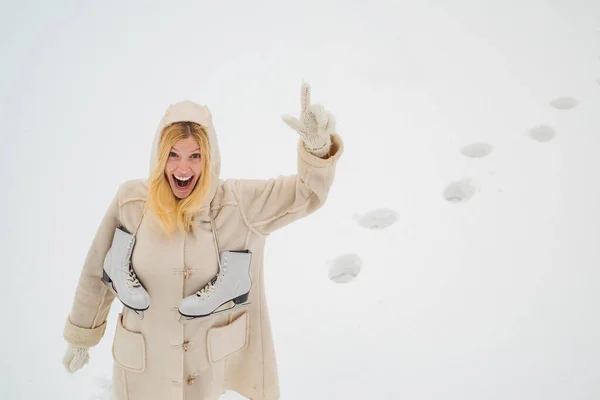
(185, 346)
(186, 273)
(191, 380)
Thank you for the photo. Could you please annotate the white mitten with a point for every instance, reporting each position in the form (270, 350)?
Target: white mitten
(315, 125)
(75, 358)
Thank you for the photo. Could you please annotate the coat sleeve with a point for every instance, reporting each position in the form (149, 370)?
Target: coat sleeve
(86, 323)
(267, 205)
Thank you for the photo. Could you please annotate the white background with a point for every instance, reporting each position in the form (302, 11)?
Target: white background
(495, 297)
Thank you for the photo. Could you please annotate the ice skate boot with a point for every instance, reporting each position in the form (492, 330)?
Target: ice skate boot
(118, 274)
(231, 284)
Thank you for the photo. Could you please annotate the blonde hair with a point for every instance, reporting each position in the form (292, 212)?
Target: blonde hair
(174, 213)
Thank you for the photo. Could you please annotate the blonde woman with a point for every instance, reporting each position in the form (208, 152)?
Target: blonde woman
(183, 250)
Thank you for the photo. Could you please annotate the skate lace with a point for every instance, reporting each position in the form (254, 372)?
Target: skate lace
(210, 286)
(207, 290)
(131, 278)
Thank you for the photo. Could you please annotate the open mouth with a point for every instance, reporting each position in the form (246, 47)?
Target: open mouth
(183, 183)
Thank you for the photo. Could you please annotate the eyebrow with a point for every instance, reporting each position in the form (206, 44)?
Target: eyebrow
(173, 148)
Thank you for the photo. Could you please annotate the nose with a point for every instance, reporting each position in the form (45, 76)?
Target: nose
(183, 166)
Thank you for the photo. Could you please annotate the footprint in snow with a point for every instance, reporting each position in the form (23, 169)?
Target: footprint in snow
(345, 268)
(542, 133)
(377, 219)
(476, 150)
(103, 390)
(564, 103)
(459, 191)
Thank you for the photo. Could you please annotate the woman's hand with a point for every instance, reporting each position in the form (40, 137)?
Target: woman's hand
(314, 126)
(75, 358)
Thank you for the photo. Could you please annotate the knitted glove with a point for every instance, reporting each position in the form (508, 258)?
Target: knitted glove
(314, 126)
(75, 358)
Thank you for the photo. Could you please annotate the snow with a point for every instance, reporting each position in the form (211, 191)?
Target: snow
(477, 150)
(542, 133)
(564, 103)
(345, 268)
(485, 287)
(459, 191)
(379, 218)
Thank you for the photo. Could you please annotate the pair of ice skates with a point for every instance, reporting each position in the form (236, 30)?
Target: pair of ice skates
(231, 284)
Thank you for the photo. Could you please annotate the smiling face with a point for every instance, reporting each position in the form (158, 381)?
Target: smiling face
(183, 167)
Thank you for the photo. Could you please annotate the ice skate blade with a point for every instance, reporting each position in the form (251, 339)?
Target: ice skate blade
(140, 314)
(184, 319)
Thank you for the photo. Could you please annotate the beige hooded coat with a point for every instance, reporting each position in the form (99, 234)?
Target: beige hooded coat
(158, 358)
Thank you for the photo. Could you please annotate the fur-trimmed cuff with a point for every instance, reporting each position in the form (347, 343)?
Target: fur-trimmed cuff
(83, 337)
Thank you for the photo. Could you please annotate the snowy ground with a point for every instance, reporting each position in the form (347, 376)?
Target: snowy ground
(457, 257)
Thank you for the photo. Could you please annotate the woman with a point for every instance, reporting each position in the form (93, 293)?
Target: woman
(181, 230)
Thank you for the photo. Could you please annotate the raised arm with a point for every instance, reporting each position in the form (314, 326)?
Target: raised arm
(270, 204)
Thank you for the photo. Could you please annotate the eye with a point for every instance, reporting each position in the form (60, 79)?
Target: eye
(196, 155)
(171, 154)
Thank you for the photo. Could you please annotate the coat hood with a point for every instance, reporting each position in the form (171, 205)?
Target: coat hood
(188, 111)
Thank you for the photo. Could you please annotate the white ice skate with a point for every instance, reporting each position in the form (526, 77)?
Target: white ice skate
(118, 274)
(232, 283)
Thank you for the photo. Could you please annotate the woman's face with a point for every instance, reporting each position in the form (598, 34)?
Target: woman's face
(183, 167)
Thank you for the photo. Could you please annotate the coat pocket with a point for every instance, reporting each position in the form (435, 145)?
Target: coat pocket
(129, 348)
(225, 340)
